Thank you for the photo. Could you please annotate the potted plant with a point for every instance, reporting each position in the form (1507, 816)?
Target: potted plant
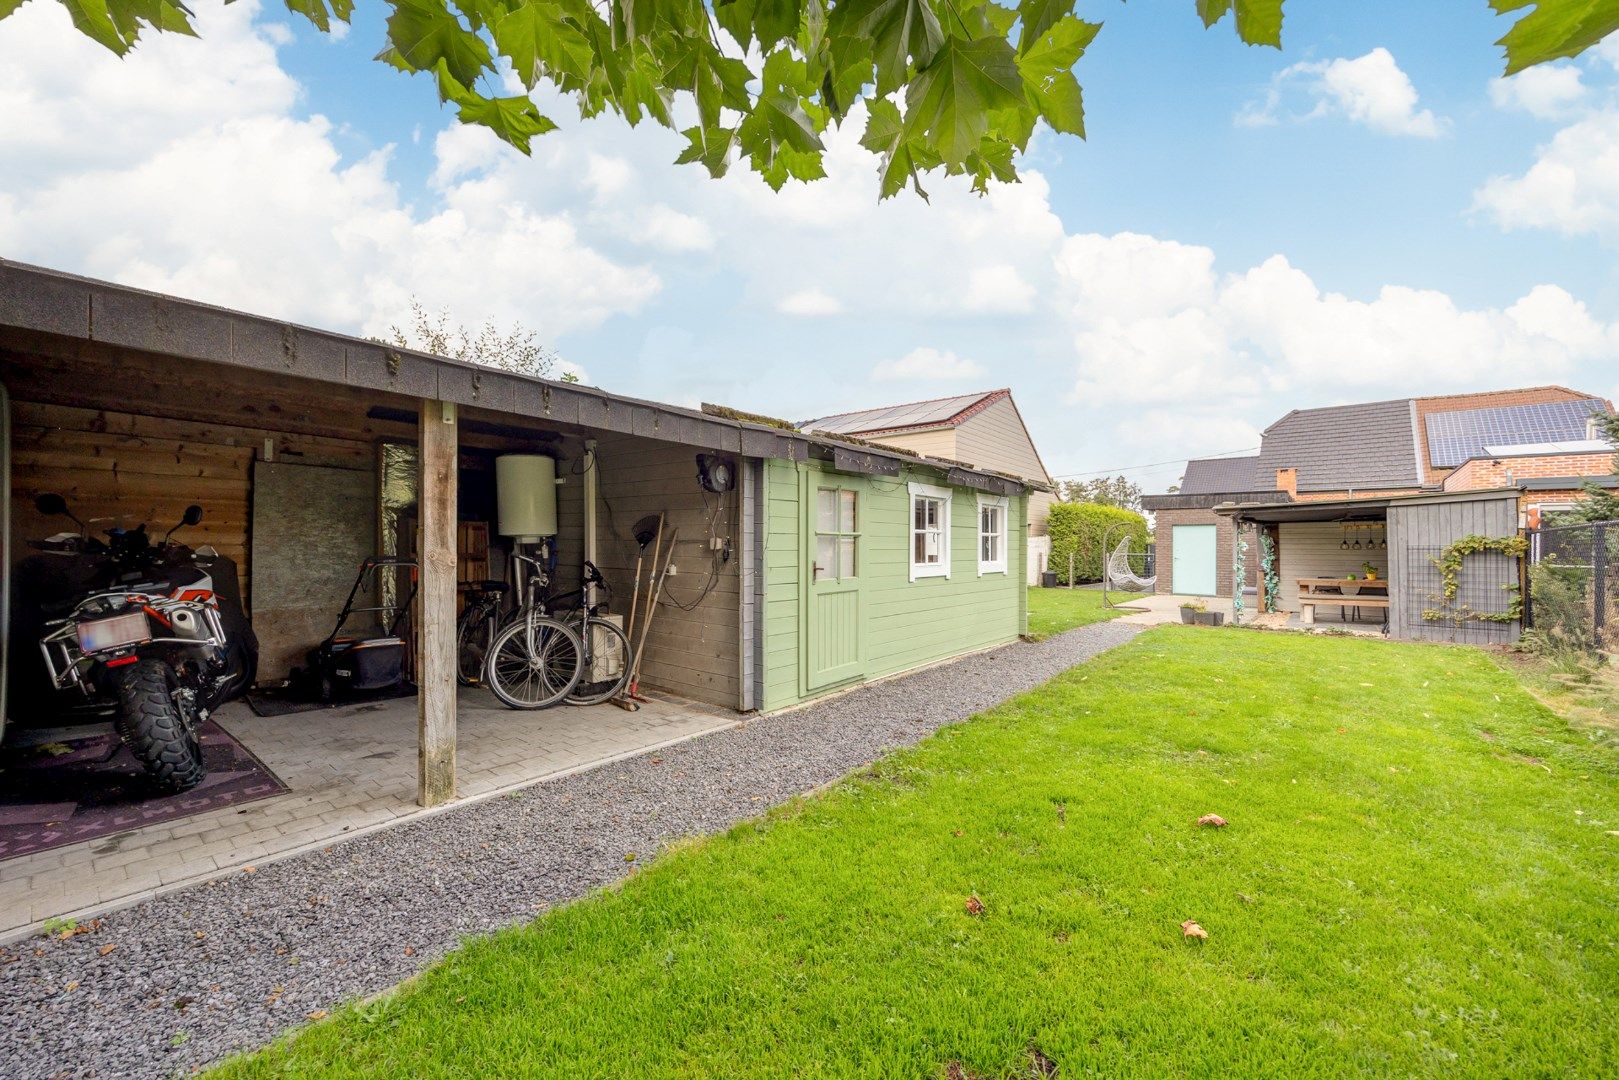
(1191, 609)
(1371, 571)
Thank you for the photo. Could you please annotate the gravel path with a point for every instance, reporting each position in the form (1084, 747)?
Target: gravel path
(191, 976)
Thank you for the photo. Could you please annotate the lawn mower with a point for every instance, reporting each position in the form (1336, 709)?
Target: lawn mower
(364, 663)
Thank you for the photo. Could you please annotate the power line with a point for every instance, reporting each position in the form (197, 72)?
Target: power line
(1152, 465)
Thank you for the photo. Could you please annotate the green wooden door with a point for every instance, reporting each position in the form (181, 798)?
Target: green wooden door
(1192, 560)
(834, 645)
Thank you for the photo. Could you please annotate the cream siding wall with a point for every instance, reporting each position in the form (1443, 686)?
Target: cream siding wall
(1310, 549)
(939, 443)
(996, 439)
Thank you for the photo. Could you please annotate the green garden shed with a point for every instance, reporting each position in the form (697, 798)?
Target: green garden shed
(824, 562)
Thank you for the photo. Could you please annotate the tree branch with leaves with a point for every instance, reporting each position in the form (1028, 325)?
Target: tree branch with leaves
(951, 86)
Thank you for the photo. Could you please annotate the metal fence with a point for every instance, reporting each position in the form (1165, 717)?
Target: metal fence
(1574, 584)
(1487, 588)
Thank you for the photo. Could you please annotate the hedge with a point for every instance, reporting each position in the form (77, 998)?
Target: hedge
(1081, 528)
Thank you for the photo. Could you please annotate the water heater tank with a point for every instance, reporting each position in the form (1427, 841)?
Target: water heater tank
(526, 491)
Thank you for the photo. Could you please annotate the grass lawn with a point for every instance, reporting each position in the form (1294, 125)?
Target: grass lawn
(1418, 878)
(1051, 611)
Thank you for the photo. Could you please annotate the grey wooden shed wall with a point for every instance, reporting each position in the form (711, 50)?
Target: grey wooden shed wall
(1418, 530)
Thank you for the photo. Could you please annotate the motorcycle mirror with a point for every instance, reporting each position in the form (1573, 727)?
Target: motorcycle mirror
(51, 504)
(192, 515)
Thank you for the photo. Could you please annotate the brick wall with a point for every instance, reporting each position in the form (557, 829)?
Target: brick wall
(1164, 545)
(1483, 473)
(1379, 493)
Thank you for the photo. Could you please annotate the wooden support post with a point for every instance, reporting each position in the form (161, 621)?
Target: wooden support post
(435, 662)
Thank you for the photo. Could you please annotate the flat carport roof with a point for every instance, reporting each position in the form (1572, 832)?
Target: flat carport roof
(1364, 509)
(42, 301)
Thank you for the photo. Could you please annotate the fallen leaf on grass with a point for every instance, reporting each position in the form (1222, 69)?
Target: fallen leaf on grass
(72, 986)
(1212, 821)
(629, 856)
(974, 906)
(105, 949)
(318, 1014)
(410, 950)
(1190, 929)
(250, 869)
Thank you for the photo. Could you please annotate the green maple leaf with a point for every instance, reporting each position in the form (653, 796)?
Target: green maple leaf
(1039, 16)
(1259, 22)
(710, 147)
(1555, 29)
(715, 80)
(116, 24)
(764, 21)
(899, 32)
(1046, 65)
(539, 39)
(949, 103)
(885, 135)
(515, 119)
(425, 33)
(322, 12)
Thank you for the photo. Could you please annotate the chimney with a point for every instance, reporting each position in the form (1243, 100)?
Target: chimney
(1287, 481)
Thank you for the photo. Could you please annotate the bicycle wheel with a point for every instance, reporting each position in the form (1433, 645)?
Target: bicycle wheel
(472, 645)
(607, 664)
(534, 662)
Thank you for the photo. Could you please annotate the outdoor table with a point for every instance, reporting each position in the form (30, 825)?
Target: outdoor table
(1312, 591)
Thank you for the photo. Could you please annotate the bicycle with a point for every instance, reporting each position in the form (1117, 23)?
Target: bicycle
(481, 619)
(534, 661)
(605, 666)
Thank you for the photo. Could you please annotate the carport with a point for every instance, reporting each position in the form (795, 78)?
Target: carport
(129, 402)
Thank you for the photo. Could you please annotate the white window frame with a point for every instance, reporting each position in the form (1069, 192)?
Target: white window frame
(945, 496)
(1002, 503)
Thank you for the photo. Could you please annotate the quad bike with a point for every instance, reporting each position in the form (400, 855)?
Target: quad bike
(151, 634)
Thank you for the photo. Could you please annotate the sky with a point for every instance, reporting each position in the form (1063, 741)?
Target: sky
(1369, 213)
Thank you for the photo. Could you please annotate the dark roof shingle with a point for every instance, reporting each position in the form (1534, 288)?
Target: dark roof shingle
(1371, 446)
(1208, 476)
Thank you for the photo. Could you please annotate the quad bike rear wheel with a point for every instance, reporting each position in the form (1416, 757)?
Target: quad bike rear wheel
(158, 723)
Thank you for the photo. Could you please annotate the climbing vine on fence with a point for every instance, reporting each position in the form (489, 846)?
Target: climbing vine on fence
(1449, 563)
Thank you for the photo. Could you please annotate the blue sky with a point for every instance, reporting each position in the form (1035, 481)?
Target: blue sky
(1369, 213)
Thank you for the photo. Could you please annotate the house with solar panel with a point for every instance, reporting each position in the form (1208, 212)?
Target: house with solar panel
(1369, 492)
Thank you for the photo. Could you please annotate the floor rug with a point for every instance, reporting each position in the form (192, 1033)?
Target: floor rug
(80, 789)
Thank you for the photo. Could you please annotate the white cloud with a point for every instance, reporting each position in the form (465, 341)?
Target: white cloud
(1573, 186)
(999, 290)
(1270, 331)
(929, 364)
(1545, 91)
(809, 303)
(185, 167)
(1370, 90)
(228, 192)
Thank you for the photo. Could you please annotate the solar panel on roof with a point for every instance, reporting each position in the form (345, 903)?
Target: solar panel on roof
(1453, 437)
(913, 414)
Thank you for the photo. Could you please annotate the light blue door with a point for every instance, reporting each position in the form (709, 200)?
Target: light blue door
(1192, 560)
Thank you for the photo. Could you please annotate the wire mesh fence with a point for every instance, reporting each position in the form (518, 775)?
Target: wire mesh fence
(1573, 597)
(1478, 609)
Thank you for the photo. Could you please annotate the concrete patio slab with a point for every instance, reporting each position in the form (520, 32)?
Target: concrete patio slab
(350, 770)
